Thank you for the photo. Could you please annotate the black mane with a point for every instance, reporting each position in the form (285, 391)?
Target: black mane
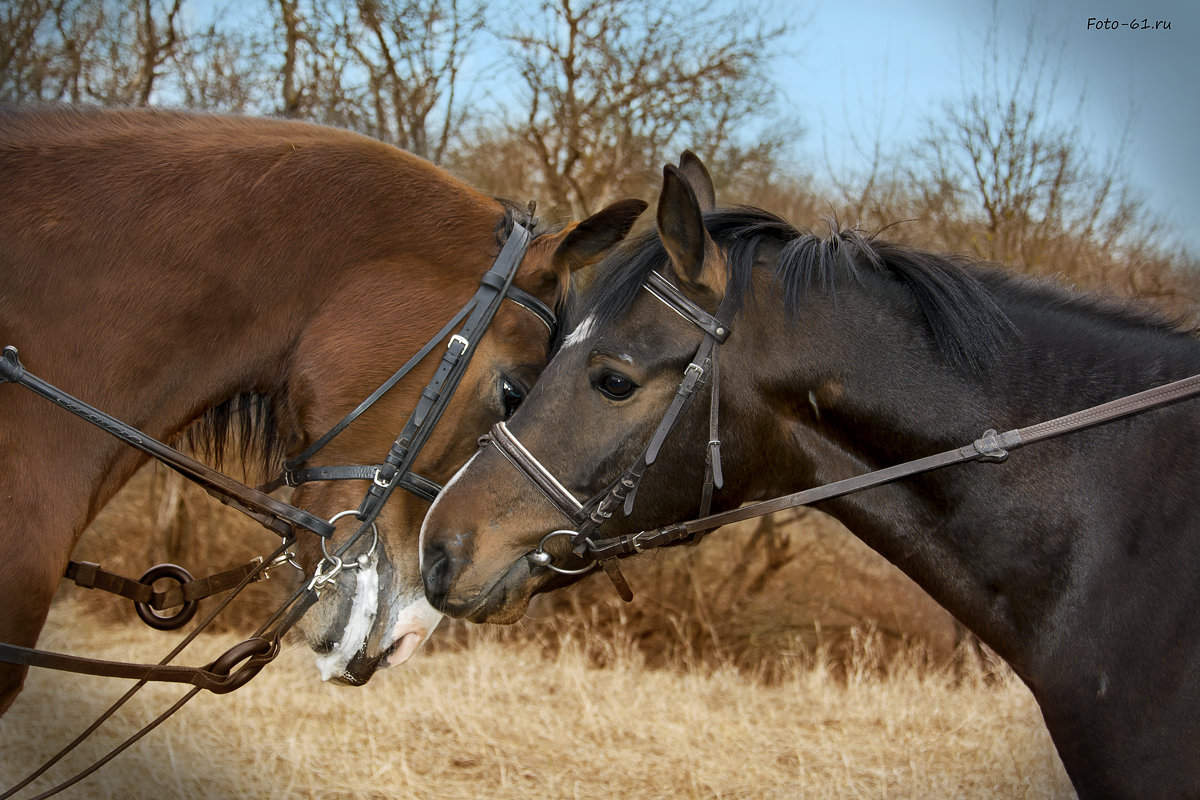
(957, 296)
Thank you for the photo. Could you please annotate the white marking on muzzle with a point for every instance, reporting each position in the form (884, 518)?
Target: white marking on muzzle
(362, 614)
(414, 624)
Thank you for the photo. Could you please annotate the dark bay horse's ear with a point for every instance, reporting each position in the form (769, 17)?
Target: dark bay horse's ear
(591, 238)
(681, 228)
(696, 174)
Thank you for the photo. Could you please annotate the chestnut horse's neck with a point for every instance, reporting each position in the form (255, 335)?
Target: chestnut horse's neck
(158, 265)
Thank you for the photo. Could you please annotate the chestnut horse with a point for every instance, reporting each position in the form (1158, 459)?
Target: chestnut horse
(170, 268)
(1076, 560)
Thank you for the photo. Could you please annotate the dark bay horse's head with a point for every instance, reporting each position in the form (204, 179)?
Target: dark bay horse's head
(378, 615)
(831, 337)
(590, 415)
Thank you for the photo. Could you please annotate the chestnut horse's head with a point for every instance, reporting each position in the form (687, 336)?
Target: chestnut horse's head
(377, 615)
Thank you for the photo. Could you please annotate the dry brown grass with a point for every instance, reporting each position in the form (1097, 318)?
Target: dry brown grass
(502, 717)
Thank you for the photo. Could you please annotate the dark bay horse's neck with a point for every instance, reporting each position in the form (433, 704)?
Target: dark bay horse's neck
(1002, 546)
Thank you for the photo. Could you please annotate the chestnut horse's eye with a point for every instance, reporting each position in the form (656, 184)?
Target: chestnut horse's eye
(511, 395)
(615, 385)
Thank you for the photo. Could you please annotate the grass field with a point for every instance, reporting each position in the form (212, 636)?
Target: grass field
(490, 714)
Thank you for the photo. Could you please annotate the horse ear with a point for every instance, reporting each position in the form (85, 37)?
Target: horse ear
(681, 228)
(591, 238)
(696, 174)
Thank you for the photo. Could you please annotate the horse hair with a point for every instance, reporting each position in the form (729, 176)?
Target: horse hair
(957, 296)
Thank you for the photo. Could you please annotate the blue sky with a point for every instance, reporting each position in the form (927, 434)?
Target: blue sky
(871, 69)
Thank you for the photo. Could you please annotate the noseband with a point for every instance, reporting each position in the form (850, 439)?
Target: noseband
(588, 516)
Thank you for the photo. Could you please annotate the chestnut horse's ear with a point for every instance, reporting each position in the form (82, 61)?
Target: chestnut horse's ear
(590, 239)
(681, 228)
(696, 174)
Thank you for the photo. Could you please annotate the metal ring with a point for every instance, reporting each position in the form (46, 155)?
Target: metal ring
(173, 620)
(319, 578)
(545, 559)
(374, 538)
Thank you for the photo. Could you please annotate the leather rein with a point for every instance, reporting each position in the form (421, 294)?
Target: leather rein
(590, 515)
(242, 662)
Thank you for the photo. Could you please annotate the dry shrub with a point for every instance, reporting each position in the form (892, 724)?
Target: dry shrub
(760, 597)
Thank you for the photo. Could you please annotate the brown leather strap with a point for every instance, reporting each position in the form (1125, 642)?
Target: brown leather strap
(215, 677)
(219, 672)
(89, 575)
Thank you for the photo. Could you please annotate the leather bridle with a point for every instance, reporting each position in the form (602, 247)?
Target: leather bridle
(589, 515)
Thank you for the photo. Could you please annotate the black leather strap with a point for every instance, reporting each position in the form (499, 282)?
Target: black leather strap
(419, 485)
(542, 478)
(493, 287)
(682, 305)
(240, 496)
(530, 303)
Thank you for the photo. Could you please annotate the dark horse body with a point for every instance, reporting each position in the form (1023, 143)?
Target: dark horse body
(1077, 560)
(168, 268)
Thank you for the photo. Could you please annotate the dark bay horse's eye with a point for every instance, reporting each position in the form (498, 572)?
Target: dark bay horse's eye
(511, 395)
(615, 385)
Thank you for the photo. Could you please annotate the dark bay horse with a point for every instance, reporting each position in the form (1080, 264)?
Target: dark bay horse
(170, 268)
(1077, 560)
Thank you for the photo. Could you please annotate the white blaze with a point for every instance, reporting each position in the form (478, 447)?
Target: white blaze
(580, 334)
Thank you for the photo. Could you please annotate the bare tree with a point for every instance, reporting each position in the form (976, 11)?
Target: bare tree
(413, 52)
(22, 61)
(293, 36)
(313, 77)
(1017, 174)
(615, 88)
(112, 52)
(222, 68)
(44, 49)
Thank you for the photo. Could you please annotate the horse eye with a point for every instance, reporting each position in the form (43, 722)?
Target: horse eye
(615, 386)
(511, 395)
